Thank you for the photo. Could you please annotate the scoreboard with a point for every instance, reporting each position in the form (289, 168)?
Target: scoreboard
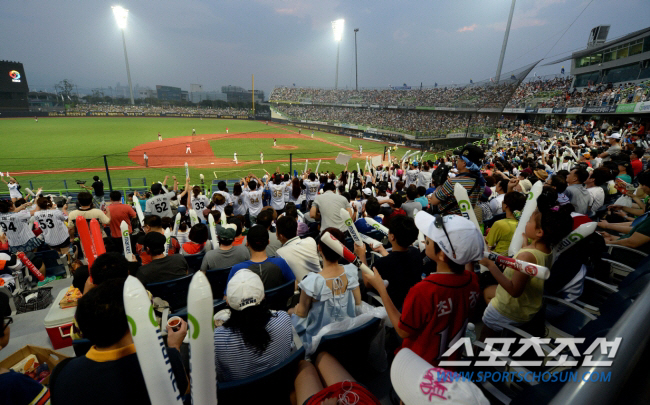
(13, 86)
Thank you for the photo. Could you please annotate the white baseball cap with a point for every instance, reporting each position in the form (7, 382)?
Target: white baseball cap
(418, 382)
(245, 289)
(367, 191)
(464, 236)
(614, 136)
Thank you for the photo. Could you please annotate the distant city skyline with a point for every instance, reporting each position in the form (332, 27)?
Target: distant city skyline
(223, 43)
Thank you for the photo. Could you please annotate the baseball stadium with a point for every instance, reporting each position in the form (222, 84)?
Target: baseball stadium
(476, 242)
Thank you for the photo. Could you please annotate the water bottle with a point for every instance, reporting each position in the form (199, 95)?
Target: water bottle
(470, 332)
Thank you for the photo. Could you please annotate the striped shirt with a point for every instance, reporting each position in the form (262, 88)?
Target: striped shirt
(236, 360)
(16, 227)
(52, 222)
(445, 193)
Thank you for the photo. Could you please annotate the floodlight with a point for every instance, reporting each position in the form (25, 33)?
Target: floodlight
(337, 26)
(120, 14)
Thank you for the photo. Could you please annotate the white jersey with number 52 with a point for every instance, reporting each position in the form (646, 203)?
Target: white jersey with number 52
(161, 205)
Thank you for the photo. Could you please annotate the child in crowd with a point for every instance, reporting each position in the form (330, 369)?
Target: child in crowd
(518, 296)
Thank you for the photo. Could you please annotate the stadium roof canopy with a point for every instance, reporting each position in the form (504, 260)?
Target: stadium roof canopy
(589, 51)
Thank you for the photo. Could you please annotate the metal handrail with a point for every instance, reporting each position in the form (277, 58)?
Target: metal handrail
(634, 333)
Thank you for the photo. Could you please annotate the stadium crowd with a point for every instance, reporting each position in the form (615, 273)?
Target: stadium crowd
(270, 233)
(485, 95)
(428, 122)
(557, 92)
(542, 93)
(86, 108)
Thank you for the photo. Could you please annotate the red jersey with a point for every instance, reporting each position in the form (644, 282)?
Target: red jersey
(436, 311)
(146, 258)
(187, 146)
(637, 166)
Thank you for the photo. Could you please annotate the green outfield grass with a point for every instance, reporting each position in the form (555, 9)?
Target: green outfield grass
(60, 143)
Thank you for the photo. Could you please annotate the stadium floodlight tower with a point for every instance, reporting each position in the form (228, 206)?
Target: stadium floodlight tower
(121, 14)
(337, 26)
(505, 42)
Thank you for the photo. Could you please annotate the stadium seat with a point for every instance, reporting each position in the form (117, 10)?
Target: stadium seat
(173, 291)
(81, 347)
(217, 305)
(278, 297)
(194, 261)
(218, 279)
(350, 347)
(54, 265)
(277, 381)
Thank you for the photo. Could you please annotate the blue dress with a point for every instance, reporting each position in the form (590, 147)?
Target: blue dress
(330, 306)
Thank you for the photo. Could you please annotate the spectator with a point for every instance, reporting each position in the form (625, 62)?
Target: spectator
(226, 254)
(325, 380)
(274, 271)
(52, 222)
(266, 220)
(614, 148)
(519, 296)
(17, 388)
(443, 300)
(397, 209)
(253, 339)
(502, 231)
(558, 182)
(327, 208)
(300, 254)
(594, 184)
(162, 267)
(110, 372)
(411, 206)
(119, 212)
(153, 223)
(161, 202)
(253, 198)
(635, 160)
(468, 162)
(578, 195)
(85, 209)
(98, 187)
(326, 297)
(422, 199)
(402, 267)
(198, 243)
(496, 203)
(372, 211)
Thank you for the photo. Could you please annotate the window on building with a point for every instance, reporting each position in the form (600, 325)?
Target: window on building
(609, 56)
(584, 79)
(636, 48)
(622, 52)
(622, 74)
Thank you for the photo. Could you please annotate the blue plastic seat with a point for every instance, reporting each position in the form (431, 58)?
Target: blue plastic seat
(218, 279)
(173, 291)
(194, 261)
(276, 381)
(350, 347)
(217, 305)
(51, 262)
(277, 298)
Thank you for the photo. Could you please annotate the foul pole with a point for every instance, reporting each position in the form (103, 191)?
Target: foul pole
(253, 95)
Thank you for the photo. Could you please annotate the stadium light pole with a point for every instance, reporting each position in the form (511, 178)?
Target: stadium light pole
(121, 14)
(505, 42)
(356, 69)
(337, 26)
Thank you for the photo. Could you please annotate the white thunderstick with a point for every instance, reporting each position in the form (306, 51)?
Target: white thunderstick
(126, 241)
(344, 252)
(200, 332)
(531, 205)
(150, 348)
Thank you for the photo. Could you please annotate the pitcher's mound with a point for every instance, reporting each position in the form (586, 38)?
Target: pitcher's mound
(285, 147)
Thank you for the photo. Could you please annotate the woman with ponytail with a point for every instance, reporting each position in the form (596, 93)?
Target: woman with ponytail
(518, 296)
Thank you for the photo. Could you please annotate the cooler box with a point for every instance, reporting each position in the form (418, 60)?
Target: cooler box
(58, 323)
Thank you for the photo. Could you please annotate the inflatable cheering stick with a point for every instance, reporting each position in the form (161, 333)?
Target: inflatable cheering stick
(201, 335)
(126, 241)
(531, 205)
(30, 266)
(151, 351)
